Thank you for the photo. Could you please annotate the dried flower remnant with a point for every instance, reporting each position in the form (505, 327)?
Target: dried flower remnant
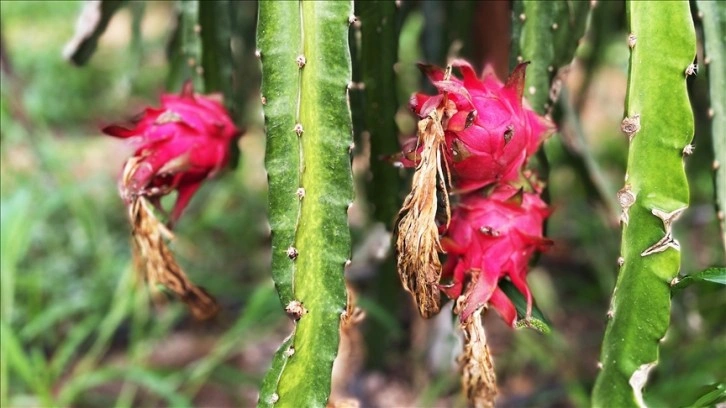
(478, 378)
(156, 263)
(178, 146)
(417, 233)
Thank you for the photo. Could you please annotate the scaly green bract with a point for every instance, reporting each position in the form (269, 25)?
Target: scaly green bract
(713, 15)
(659, 123)
(546, 33)
(306, 69)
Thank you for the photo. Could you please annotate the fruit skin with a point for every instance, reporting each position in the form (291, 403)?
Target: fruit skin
(489, 132)
(493, 235)
(178, 146)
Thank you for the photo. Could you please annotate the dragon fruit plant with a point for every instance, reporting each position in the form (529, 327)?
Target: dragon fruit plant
(475, 138)
(474, 217)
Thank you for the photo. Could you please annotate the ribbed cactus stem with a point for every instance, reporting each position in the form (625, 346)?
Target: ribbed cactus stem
(713, 15)
(546, 33)
(378, 54)
(659, 126)
(191, 41)
(306, 70)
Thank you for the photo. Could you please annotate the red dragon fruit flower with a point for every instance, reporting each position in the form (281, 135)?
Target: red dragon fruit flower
(178, 146)
(489, 132)
(491, 237)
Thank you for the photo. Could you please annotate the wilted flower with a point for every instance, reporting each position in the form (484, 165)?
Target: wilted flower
(493, 236)
(178, 146)
(489, 133)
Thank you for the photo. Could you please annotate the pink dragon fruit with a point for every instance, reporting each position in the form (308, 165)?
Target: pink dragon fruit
(492, 236)
(178, 146)
(489, 133)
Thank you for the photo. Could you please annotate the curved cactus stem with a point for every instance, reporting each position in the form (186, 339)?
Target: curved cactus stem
(713, 15)
(659, 123)
(306, 69)
(546, 33)
(91, 24)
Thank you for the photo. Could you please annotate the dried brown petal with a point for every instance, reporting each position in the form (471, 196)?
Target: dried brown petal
(417, 234)
(478, 378)
(156, 263)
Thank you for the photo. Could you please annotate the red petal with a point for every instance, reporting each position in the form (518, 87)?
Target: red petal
(118, 131)
(186, 192)
(501, 303)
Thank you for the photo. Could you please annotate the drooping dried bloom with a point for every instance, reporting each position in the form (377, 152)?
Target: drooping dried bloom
(417, 234)
(489, 132)
(478, 378)
(154, 260)
(178, 146)
(493, 236)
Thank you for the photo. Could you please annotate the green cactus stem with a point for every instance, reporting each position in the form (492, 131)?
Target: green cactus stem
(216, 33)
(713, 16)
(185, 49)
(378, 54)
(306, 68)
(546, 33)
(659, 125)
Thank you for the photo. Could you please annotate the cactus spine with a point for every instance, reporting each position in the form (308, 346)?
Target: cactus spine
(306, 68)
(659, 124)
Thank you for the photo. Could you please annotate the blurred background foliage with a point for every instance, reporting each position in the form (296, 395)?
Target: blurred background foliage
(78, 331)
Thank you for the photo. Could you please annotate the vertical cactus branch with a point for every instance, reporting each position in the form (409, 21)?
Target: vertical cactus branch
(186, 48)
(215, 32)
(713, 15)
(378, 54)
(546, 33)
(306, 69)
(659, 125)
